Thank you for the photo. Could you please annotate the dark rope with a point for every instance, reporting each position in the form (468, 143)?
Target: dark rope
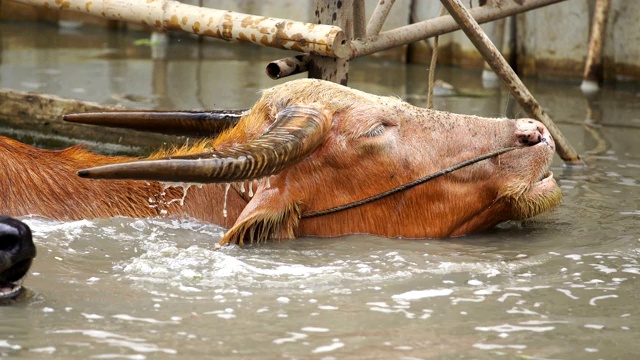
(406, 186)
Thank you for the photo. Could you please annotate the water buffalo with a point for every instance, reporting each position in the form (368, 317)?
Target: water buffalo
(305, 146)
(16, 254)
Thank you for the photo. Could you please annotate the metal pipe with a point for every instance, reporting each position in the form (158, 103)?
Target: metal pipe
(432, 72)
(509, 78)
(593, 68)
(379, 16)
(418, 31)
(432, 66)
(489, 78)
(324, 40)
(438, 26)
(288, 66)
(338, 13)
(359, 27)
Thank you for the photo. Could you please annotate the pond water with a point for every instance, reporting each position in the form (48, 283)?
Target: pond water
(565, 285)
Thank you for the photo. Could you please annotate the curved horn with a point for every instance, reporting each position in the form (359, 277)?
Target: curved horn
(188, 123)
(295, 133)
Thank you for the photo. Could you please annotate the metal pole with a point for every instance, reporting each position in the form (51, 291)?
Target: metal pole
(359, 27)
(593, 68)
(338, 13)
(288, 66)
(509, 78)
(432, 66)
(324, 40)
(375, 41)
(438, 26)
(489, 78)
(379, 16)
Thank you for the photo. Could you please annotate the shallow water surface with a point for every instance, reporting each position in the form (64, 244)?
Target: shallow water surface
(561, 286)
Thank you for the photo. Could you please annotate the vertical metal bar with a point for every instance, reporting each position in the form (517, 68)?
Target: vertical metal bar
(379, 16)
(509, 78)
(339, 13)
(359, 27)
(488, 76)
(432, 65)
(592, 76)
(432, 72)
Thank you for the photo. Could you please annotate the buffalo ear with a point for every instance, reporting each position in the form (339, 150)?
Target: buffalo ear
(267, 216)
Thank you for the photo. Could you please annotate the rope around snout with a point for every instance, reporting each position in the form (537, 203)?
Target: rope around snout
(310, 214)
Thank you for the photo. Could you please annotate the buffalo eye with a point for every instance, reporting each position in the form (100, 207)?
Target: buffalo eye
(376, 131)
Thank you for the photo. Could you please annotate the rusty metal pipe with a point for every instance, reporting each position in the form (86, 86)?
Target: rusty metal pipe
(379, 16)
(432, 66)
(488, 76)
(592, 76)
(359, 27)
(288, 66)
(432, 72)
(338, 13)
(438, 26)
(324, 40)
(509, 78)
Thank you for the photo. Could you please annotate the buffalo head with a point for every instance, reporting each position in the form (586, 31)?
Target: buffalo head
(310, 145)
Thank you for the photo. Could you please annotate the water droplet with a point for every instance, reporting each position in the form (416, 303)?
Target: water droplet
(226, 192)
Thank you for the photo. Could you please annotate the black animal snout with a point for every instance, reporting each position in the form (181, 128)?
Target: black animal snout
(17, 250)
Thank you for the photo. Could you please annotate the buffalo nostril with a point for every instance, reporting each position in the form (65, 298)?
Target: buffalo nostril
(529, 132)
(529, 138)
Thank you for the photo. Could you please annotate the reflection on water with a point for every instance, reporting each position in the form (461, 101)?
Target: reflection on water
(563, 285)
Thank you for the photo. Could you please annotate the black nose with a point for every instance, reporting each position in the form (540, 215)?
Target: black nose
(17, 249)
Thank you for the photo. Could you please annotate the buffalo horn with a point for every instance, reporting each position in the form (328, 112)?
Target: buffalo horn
(295, 133)
(187, 123)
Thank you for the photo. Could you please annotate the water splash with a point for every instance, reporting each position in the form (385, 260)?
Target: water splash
(120, 341)
(185, 187)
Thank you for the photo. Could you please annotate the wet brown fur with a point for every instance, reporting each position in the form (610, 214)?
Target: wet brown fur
(351, 164)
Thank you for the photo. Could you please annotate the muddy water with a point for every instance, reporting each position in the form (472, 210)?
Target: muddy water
(565, 285)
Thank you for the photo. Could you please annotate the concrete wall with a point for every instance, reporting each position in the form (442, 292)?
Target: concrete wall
(548, 42)
(553, 40)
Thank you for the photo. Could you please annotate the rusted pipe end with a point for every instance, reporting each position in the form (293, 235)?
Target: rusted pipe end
(274, 71)
(341, 46)
(288, 66)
